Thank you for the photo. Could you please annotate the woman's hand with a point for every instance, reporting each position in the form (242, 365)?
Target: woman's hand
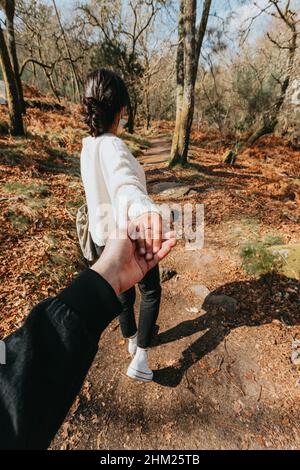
(121, 263)
(147, 231)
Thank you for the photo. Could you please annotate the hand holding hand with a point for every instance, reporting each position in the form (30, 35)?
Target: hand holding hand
(147, 231)
(122, 265)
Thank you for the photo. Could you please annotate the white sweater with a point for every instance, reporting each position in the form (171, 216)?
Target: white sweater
(112, 178)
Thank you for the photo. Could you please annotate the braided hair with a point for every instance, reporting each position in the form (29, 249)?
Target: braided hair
(105, 94)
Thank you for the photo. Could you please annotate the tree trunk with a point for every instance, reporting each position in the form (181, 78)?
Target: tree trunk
(175, 156)
(51, 84)
(9, 7)
(45, 68)
(187, 110)
(289, 118)
(14, 108)
(188, 53)
(34, 73)
(147, 109)
(201, 33)
(130, 122)
(73, 68)
(270, 119)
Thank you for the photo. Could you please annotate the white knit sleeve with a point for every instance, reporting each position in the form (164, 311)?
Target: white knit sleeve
(123, 182)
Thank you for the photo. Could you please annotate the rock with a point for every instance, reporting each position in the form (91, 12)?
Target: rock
(200, 290)
(295, 356)
(276, 322)
(166, 274)
(290, 254)
(170, 189)
(221, 302)
(238, 406)
(192, 310)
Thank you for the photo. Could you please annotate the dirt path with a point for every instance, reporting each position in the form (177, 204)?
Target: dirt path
(222, 380)
(159, 151)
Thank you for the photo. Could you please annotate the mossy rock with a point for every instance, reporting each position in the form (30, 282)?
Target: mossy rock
(291, 259)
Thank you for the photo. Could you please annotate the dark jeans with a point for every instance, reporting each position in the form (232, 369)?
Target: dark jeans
(150, 290)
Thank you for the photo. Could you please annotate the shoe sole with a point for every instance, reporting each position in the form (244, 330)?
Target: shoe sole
(138, 375)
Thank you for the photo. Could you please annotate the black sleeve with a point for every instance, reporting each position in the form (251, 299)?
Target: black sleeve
(48, 358)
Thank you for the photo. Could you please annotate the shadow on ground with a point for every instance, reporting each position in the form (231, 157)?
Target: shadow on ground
(257, 305)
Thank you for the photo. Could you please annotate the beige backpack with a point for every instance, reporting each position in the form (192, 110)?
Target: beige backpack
(87, 245)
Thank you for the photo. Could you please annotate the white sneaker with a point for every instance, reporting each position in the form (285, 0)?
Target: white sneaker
(138, 369)
(132, 344)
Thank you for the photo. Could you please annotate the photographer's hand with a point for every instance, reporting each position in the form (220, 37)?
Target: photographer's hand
(122, 265)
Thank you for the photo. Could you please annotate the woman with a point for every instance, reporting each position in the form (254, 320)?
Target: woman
(113, 179)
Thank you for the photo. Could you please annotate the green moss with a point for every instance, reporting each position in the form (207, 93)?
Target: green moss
(19, 222)
(135, 143)
(290, 256)
(137, 139)
(258, 259)
(21, 189)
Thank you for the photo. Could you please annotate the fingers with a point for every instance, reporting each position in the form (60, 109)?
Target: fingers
(136, 233)
(152, 225)
(147, 234)
(167, 245)
(148, 237)
(156, 233)
(141, 240)
(144, 236)
(169, 235)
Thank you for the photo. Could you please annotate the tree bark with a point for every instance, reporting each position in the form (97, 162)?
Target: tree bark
(175, 155)
(14, 107)
(188, 54)
(187, 110)
(9, 8)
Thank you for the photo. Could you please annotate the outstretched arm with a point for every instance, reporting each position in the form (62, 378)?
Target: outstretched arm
(48, 358)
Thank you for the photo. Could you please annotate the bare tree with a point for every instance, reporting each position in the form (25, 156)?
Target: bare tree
(39, 43)
(190, 42)
(158, 69)
(9, 10)
(54, 54)
(119, 41)
(269, 119)
(76, 84)
(10, 69)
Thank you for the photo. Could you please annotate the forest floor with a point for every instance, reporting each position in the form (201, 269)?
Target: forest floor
(223, 378)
